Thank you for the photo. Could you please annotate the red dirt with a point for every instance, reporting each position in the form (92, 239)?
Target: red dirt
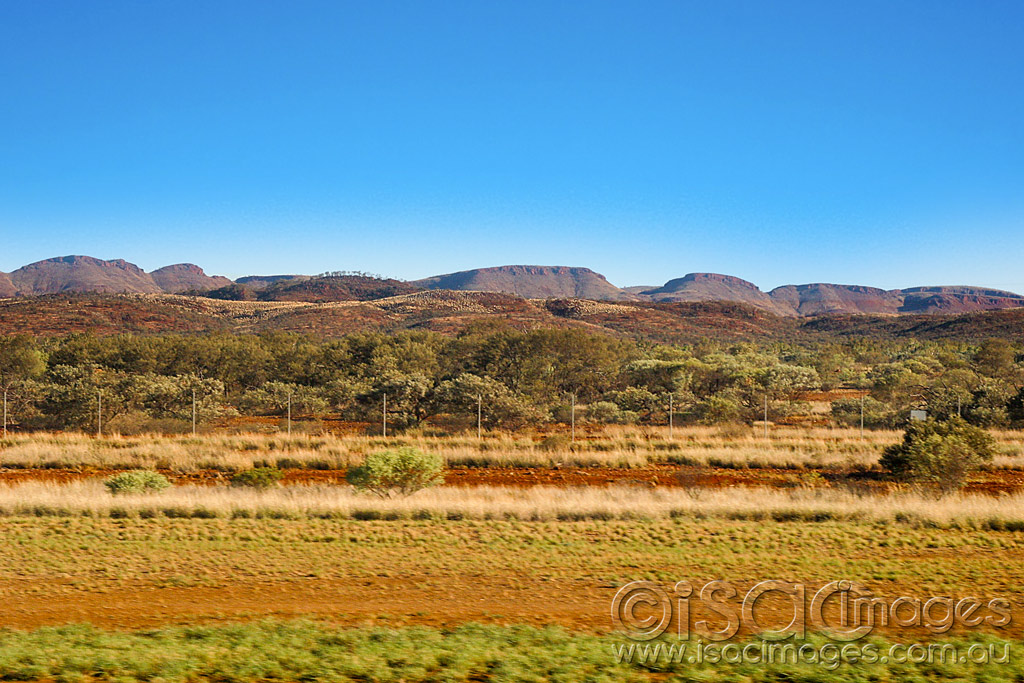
(434, 600)
(994, 483)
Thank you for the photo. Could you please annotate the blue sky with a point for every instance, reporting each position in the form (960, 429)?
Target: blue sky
(875, 143)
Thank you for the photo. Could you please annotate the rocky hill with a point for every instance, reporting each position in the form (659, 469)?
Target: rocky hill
(183, 277)
(531, 282)
(335, 288)
(86, 274)
(822, 298)
(830, 299)
(710, 287)
(451, 312)
(82, 274)
(257, 282)
(6, 286)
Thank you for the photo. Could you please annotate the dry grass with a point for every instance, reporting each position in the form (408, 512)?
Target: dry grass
(90, 498)
(624, 447)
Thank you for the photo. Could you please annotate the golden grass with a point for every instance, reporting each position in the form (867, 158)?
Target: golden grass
(540, 503)
(626, 446)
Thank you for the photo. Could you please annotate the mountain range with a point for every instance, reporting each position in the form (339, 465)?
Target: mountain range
(86, 274)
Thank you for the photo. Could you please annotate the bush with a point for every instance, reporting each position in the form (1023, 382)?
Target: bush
(137, 481)
(401, 471)
(606, 412)
(877, 415)
(258, 478)
(939, 453)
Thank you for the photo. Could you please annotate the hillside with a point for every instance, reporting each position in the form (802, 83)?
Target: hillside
(6, 286)
(822, 299)
(450, 312)
(827, 299)
(531, 282)
(183, 277)
(257, 282)
(335, 288)
(710, 287)
(85, 274)
(82, 274)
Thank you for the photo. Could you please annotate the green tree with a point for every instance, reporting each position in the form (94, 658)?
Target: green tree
(499, 406)
(21, 362)
(939, 453)
(272, 399)
(401, 471)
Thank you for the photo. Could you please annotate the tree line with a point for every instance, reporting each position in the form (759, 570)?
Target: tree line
(521, 377)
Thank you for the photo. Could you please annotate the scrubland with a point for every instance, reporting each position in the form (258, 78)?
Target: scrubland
(624, 447)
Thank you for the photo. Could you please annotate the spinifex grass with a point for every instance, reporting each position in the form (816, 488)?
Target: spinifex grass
(538, 503)
(610, 446)
(305, 651)
(583, 560)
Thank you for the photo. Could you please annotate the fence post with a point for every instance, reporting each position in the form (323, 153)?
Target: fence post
(572, 417)
(766, 416)
(670, 417)
(861, 417)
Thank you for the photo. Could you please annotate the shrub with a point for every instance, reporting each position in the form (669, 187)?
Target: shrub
(137, 481)
(939, 453)
(606, 412)
(401, 471)
(258, 478)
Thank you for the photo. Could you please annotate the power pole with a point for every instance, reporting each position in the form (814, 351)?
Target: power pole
(766, 416)
(193, 411)
(861, 417)
(670, 417)
(289, 415)
(572, 417)
(5, 413)
(479, 414)
(958, 407)
(385, 415)
(99, 413)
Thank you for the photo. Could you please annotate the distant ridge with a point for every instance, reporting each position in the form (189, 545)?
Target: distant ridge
(828, 299)
(530, 282)
(183, 277)
(84, 274)
(87, 274)
(257, 282)
(820, 298)
(710, 287)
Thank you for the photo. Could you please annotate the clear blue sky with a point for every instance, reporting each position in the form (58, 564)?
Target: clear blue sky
(875, 143)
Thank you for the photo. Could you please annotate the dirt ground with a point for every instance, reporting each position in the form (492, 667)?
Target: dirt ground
(434, 601)
(996, 482)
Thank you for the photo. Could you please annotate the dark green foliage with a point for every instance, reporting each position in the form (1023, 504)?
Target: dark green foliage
(523, 377)
(939, 453)
(258, 478)
(303, 651)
